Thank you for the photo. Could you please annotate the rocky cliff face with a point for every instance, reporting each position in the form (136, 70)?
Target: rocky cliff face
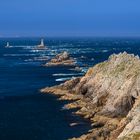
(108, 95)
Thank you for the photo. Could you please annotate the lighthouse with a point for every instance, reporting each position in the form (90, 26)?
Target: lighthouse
(7, 46)
(42, 45)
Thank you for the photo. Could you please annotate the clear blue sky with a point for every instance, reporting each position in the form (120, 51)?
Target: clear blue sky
(69, 17)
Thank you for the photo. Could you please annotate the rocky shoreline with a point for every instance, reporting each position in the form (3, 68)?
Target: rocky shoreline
(108, 95)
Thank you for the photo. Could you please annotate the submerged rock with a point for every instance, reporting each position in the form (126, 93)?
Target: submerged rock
(108, 95)
(61, 59)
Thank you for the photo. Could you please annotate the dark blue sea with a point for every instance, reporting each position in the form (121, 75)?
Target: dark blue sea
(27, 114)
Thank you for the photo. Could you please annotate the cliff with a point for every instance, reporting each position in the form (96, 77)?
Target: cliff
(108, 95)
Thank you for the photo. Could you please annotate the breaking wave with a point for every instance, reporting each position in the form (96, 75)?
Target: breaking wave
(69, 74)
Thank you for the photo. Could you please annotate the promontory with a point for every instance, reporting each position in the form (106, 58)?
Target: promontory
(108, 95)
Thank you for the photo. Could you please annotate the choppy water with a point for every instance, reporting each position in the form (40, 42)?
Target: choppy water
(25, 113)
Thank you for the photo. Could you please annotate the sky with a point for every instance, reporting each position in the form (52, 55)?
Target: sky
(69, 18)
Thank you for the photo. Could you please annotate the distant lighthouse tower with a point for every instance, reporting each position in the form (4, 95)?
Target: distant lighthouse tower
(42, 42)
(7, 46)
(42, 45)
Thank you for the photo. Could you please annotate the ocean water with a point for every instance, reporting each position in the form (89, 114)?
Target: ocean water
(25, 113)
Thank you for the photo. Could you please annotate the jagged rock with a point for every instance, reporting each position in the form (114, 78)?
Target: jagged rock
(109, 94)
(133, 122)
(61, 59)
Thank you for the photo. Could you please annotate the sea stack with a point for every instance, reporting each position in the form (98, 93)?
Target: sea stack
(109, 96)
(61, 59)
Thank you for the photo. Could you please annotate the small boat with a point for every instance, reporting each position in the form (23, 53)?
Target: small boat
(7, 46)
(41, 46)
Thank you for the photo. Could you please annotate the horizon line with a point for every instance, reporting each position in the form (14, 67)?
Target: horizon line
(86, 36)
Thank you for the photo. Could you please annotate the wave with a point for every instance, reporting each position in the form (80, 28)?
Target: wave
(35, 50)
(65, 74)
(63, 79)
(101, 51)
(21, 46)
(19, 54)
(104, 51)
(72, 50)
(28, 60)
(45, 58)
(85, 69)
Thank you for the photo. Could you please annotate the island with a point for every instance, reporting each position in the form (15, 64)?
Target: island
(62, 59)
(108, 95)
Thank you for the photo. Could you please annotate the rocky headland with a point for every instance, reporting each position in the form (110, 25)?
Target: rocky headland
(61, 59)
(109, 96)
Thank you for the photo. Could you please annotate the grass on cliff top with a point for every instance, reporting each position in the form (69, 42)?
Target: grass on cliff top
(97, 68)
(131, 68)
(104, 66)
(133, 136)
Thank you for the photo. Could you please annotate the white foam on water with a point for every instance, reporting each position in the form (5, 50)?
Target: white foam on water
(28, 47)
(105, 51)
(25, 47)
(85, 69)
(42, 58)
(101, 51)
(70, 74)
(19, 54)
(63, 79)
(35, 50)
(26, 63)
(28, 60)
(51, 53)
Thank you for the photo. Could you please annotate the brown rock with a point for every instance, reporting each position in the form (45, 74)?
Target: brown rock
(61, 59)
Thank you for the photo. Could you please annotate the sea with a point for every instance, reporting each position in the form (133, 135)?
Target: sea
(27, 114)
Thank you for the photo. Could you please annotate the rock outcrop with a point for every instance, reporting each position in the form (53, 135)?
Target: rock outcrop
(108, 95)
(61, 59)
